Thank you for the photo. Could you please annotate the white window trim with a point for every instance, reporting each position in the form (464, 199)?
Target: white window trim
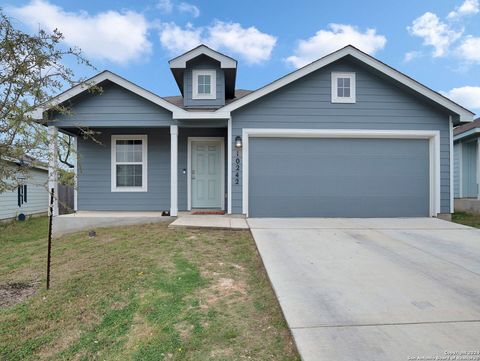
(143, 138)
(432, 135)
(353, 94)
(213, 85)
(221, 142)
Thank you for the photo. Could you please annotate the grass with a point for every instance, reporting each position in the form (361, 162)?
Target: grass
(468, 219)
(140, 293)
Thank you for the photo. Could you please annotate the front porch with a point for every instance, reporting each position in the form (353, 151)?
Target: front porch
(184, 167)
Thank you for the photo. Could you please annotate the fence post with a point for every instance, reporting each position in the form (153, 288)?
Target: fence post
(52, 190)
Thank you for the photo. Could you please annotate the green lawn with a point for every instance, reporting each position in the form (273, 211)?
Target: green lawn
(468, 219)
(139, 293)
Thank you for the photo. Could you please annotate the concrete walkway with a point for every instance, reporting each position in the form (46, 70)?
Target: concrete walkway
(90, 220)
(209, 221)
(374, 289)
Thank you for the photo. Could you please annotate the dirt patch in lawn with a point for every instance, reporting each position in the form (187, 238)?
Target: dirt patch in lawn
(15, 292)
(223, 289)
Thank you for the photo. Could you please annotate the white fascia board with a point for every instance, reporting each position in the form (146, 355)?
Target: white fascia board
(465, 115)
(181, 114)
(466, 134)
(97, 79)
(181, 61)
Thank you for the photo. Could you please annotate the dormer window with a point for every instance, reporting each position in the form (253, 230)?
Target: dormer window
(204, 84)
(343, 88)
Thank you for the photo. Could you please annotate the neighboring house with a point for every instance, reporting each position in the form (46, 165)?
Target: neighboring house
(466, 160)
(345, 136)
(30, 196)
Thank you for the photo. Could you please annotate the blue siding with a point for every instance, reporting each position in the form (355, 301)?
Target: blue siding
(381, 104)
(94, 178)
(456, 169)
(203, 63)
(469, 169)
(113, 107)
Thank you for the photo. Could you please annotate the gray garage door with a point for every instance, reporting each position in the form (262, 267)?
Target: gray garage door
(310, 177)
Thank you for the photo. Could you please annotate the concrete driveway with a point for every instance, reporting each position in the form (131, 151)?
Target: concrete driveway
(375, 289)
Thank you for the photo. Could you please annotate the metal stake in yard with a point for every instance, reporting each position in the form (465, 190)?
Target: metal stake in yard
(50, 237)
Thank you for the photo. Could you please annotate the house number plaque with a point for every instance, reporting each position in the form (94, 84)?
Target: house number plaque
(236, 168)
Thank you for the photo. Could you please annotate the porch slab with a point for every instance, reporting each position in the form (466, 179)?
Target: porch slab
(209, 221)
(470, 205)
(89, 220)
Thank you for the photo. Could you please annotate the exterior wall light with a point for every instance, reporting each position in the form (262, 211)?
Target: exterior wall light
(238, 142)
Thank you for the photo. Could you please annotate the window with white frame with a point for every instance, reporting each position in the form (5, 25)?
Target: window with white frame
(129, 163)
(343, 88)
(204, 84)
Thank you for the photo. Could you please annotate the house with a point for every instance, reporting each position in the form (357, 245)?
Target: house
(30, 196)
(345, 136)
(466, 166)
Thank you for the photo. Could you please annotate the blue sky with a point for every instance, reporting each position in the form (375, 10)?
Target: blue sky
(435, 42)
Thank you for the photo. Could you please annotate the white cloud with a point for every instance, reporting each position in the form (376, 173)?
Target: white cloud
(467, 96)
(434, 32)
(469, 7)
(165, 5)
(249, 43)
(469, 49)
(338, 36)
(409, 56)
(177, 40)
(111, 35)
(189, 8)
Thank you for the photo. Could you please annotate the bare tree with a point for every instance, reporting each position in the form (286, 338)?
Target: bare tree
(32, 70)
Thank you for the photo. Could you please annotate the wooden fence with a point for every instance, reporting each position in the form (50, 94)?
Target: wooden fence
(65, 199)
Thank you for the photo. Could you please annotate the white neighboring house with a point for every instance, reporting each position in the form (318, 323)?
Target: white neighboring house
(29, 198)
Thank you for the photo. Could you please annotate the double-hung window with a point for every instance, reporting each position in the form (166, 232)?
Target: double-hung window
(129, 163)
(343, 88)
(204, 84)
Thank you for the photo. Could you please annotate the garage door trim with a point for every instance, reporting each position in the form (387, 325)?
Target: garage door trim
(432, 135)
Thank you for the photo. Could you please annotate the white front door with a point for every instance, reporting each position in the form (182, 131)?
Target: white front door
(206, 174)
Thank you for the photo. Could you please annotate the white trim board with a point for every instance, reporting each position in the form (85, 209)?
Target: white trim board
(466, 134)
(334, 87)
(181, 61)
(465, 114)
(450, 140)
(173, 170)
(213, 84)
(75, 170)
(460, 170)
(229, 165)
(219, 140)
(432, 135)
(113, 161)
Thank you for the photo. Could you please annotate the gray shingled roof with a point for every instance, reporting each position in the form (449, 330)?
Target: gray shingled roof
(463, 128)
(178, 99)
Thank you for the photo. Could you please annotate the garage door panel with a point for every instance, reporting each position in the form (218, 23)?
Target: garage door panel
(338, 177)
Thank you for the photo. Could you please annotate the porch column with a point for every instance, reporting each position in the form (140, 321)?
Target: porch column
(75, 169)
(229, 166)
(53, 167)
(173, 170)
